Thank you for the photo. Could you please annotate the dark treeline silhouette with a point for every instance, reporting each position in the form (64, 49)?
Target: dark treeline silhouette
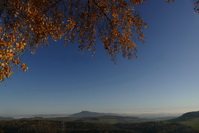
(49, 126)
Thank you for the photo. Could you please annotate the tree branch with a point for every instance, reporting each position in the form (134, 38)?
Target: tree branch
(57, 2)
(102, 11)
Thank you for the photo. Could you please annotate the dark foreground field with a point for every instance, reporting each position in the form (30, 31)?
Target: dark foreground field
(52, 126)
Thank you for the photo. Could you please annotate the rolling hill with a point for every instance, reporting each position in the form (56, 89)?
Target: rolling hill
(186, 116)
(190, 119)
(91, 114)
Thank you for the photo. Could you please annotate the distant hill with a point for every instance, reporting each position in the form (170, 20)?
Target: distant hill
(187, 116)
(6, 118)
(91, 114)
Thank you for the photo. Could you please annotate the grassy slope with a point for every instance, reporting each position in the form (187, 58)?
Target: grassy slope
(194, 123)
(190, 119)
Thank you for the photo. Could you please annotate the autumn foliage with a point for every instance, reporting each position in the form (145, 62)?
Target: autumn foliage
(26, 25)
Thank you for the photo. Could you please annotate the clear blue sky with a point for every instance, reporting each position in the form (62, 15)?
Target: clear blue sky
(164, 77)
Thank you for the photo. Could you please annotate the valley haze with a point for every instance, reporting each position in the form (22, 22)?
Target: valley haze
(95, 114)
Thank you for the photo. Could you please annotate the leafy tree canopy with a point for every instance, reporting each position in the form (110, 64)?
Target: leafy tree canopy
(26, 25)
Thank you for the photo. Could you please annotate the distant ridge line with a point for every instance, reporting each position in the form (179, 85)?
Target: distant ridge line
(91, 114)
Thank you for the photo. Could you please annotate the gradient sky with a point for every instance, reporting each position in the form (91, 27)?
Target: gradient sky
(164, 78)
